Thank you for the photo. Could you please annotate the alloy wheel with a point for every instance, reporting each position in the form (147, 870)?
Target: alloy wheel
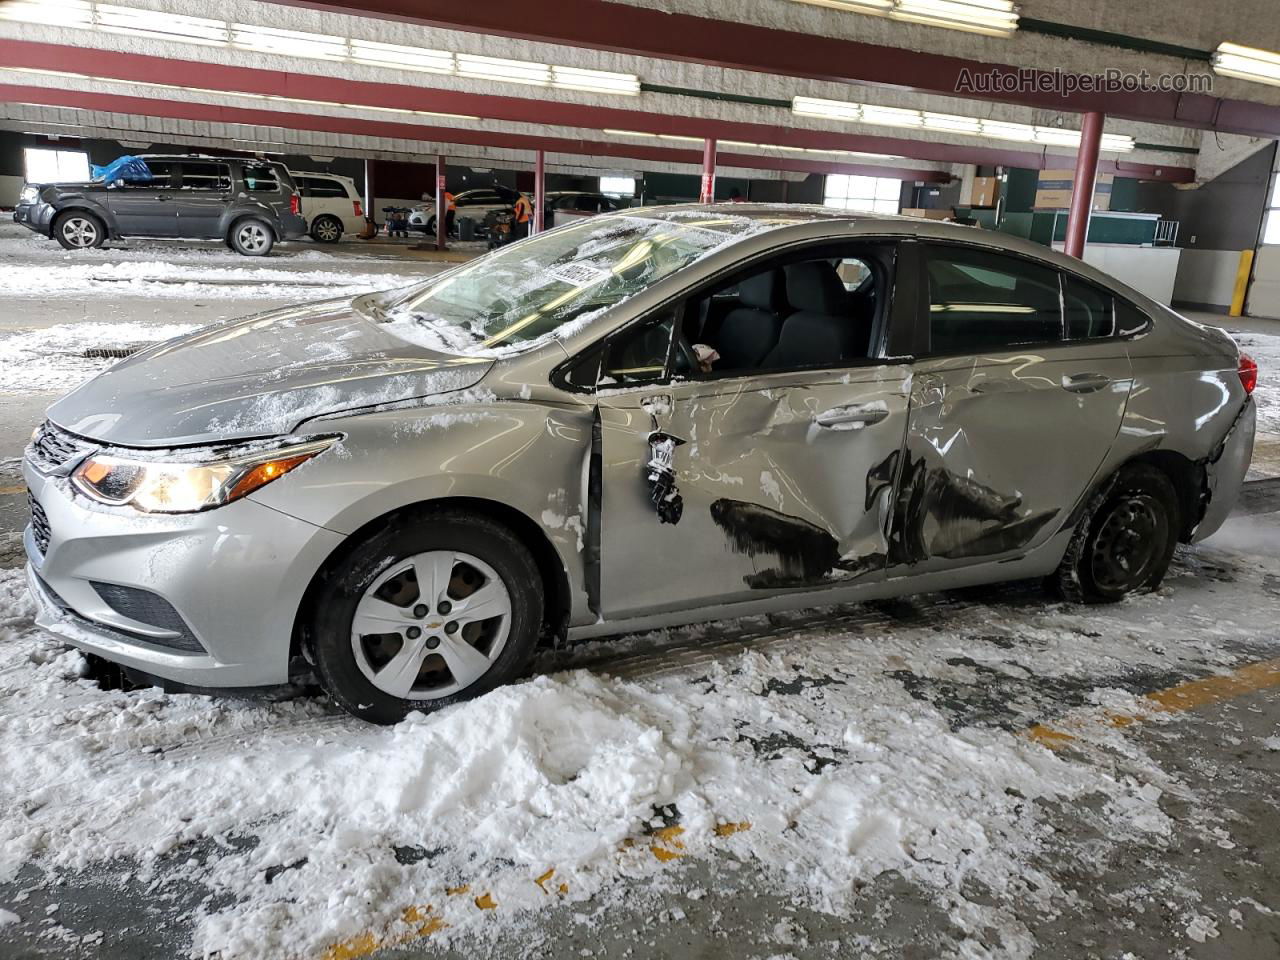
(327, 230)
(80, 231)
(252, 237)
(431, 625)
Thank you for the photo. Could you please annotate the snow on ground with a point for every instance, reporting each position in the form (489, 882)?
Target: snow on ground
(820, 749)
(1266, 351)
(19, 242)
(53, 358)
(177, 279)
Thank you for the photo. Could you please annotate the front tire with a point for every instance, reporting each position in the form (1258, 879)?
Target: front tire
(431, 610)
(1125, 541)
(77, 230)
(251, 237)
(326, 229)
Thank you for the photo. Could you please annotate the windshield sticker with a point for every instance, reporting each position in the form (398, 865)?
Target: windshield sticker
(578, 274)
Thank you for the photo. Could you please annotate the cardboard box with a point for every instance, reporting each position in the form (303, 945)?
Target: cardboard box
(985, 192)
(1053, 190)
(928, 214)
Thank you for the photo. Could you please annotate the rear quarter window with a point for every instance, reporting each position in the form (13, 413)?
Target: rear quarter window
(261, 178)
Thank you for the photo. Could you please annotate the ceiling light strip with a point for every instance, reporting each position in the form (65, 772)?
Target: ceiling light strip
(951, 123)
(1247, 63)
(139, 22)
(993, 18)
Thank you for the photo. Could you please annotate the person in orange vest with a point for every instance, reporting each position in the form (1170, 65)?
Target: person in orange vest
(523, 215)
(451, 211)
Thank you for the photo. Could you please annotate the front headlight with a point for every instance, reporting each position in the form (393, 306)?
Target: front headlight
(29, 194)
(173, 486)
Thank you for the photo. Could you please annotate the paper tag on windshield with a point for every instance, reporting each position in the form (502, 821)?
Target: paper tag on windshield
(577, 274)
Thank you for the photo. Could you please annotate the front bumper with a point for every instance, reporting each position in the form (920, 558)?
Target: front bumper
(34, 216)
(235, 576)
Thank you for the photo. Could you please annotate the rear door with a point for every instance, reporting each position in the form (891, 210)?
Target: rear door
(147, 209)
(1013, 406)
(202, 194)
(785, 475)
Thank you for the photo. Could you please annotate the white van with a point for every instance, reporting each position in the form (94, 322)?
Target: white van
(331, 205)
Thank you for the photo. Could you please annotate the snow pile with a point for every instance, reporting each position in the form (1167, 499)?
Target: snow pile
(825, 754)
(177, 279)
(19, 242)
(52, 358)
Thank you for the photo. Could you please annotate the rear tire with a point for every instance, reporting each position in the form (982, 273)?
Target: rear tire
(1125, 541)
(78, 230)
(385, 643)
(251, 237)
(326, 229)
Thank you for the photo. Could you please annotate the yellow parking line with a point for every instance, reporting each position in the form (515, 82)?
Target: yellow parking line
(1184, 696)
(665, 845)
(20, 488)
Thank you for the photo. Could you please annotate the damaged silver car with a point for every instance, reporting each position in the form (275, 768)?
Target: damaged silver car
(639, 420)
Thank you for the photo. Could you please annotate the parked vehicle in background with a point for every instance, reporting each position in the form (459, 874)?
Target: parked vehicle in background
(250, 204)
(475, 204)
(564, 206)
(658, 417)
(331, 204)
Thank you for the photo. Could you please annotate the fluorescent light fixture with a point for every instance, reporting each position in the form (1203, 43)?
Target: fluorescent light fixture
(401, 57)
(1247, 63)
(594, 81)
(950, 123)
(55, 13)
(629, 133)
(826, 109)
(1008, 130)
(892, 116)
(878, 7)
(499, 68)
(293, 43)
(1117, 143)
(1055, 137)
(137, 22)
(993, 18)
(674, 136)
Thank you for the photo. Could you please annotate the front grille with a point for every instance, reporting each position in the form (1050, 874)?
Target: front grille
(39, 525)
(152, 609)
(55, 451)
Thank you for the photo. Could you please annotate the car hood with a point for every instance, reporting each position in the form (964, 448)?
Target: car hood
(260, 376)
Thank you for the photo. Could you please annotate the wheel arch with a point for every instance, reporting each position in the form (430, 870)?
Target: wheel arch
(555, 578)
(98, 213)
(1187, 476)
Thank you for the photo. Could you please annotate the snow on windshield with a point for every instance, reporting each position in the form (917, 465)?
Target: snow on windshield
(555, 284)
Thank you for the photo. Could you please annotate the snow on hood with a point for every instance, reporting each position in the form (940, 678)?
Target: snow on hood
(260, 376)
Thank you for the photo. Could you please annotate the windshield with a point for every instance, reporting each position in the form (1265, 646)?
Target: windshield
(555, 283)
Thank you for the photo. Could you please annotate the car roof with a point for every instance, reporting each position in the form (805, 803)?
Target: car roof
(311, 173)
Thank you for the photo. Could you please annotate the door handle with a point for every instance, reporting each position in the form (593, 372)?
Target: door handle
(1085, 382)
(863, 414)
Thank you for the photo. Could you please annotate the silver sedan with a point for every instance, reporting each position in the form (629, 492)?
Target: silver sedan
(644, 419)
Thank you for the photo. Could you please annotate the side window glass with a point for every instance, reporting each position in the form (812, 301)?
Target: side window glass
(1088, 310)
(586, 372)
(161, 176)
(982, 301)
(639, 355)
(260, 178)
(206, 176)
(1130, 321)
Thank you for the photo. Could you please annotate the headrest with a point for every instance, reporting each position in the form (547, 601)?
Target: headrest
(763, 291)
(815, 287)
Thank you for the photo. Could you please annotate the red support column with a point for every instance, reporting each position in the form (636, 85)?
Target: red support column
(539, 193)
(1083, 184)
(708, 192)
(442, 215)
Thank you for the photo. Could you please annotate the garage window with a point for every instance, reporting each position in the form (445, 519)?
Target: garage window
(55, 166)
(863, 194)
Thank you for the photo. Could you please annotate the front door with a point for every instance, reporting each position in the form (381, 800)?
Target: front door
(1013, 409)
(769, 470)
(146, 209)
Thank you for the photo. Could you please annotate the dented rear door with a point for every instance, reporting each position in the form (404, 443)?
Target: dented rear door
(786, 483)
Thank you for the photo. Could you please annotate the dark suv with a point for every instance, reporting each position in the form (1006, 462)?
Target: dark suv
(248, 203)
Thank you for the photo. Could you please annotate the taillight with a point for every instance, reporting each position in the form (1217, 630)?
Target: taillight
(1248, 372)
(355, 206)
(295, 203)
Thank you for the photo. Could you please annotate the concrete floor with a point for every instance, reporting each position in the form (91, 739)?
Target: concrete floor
(1115, 910)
